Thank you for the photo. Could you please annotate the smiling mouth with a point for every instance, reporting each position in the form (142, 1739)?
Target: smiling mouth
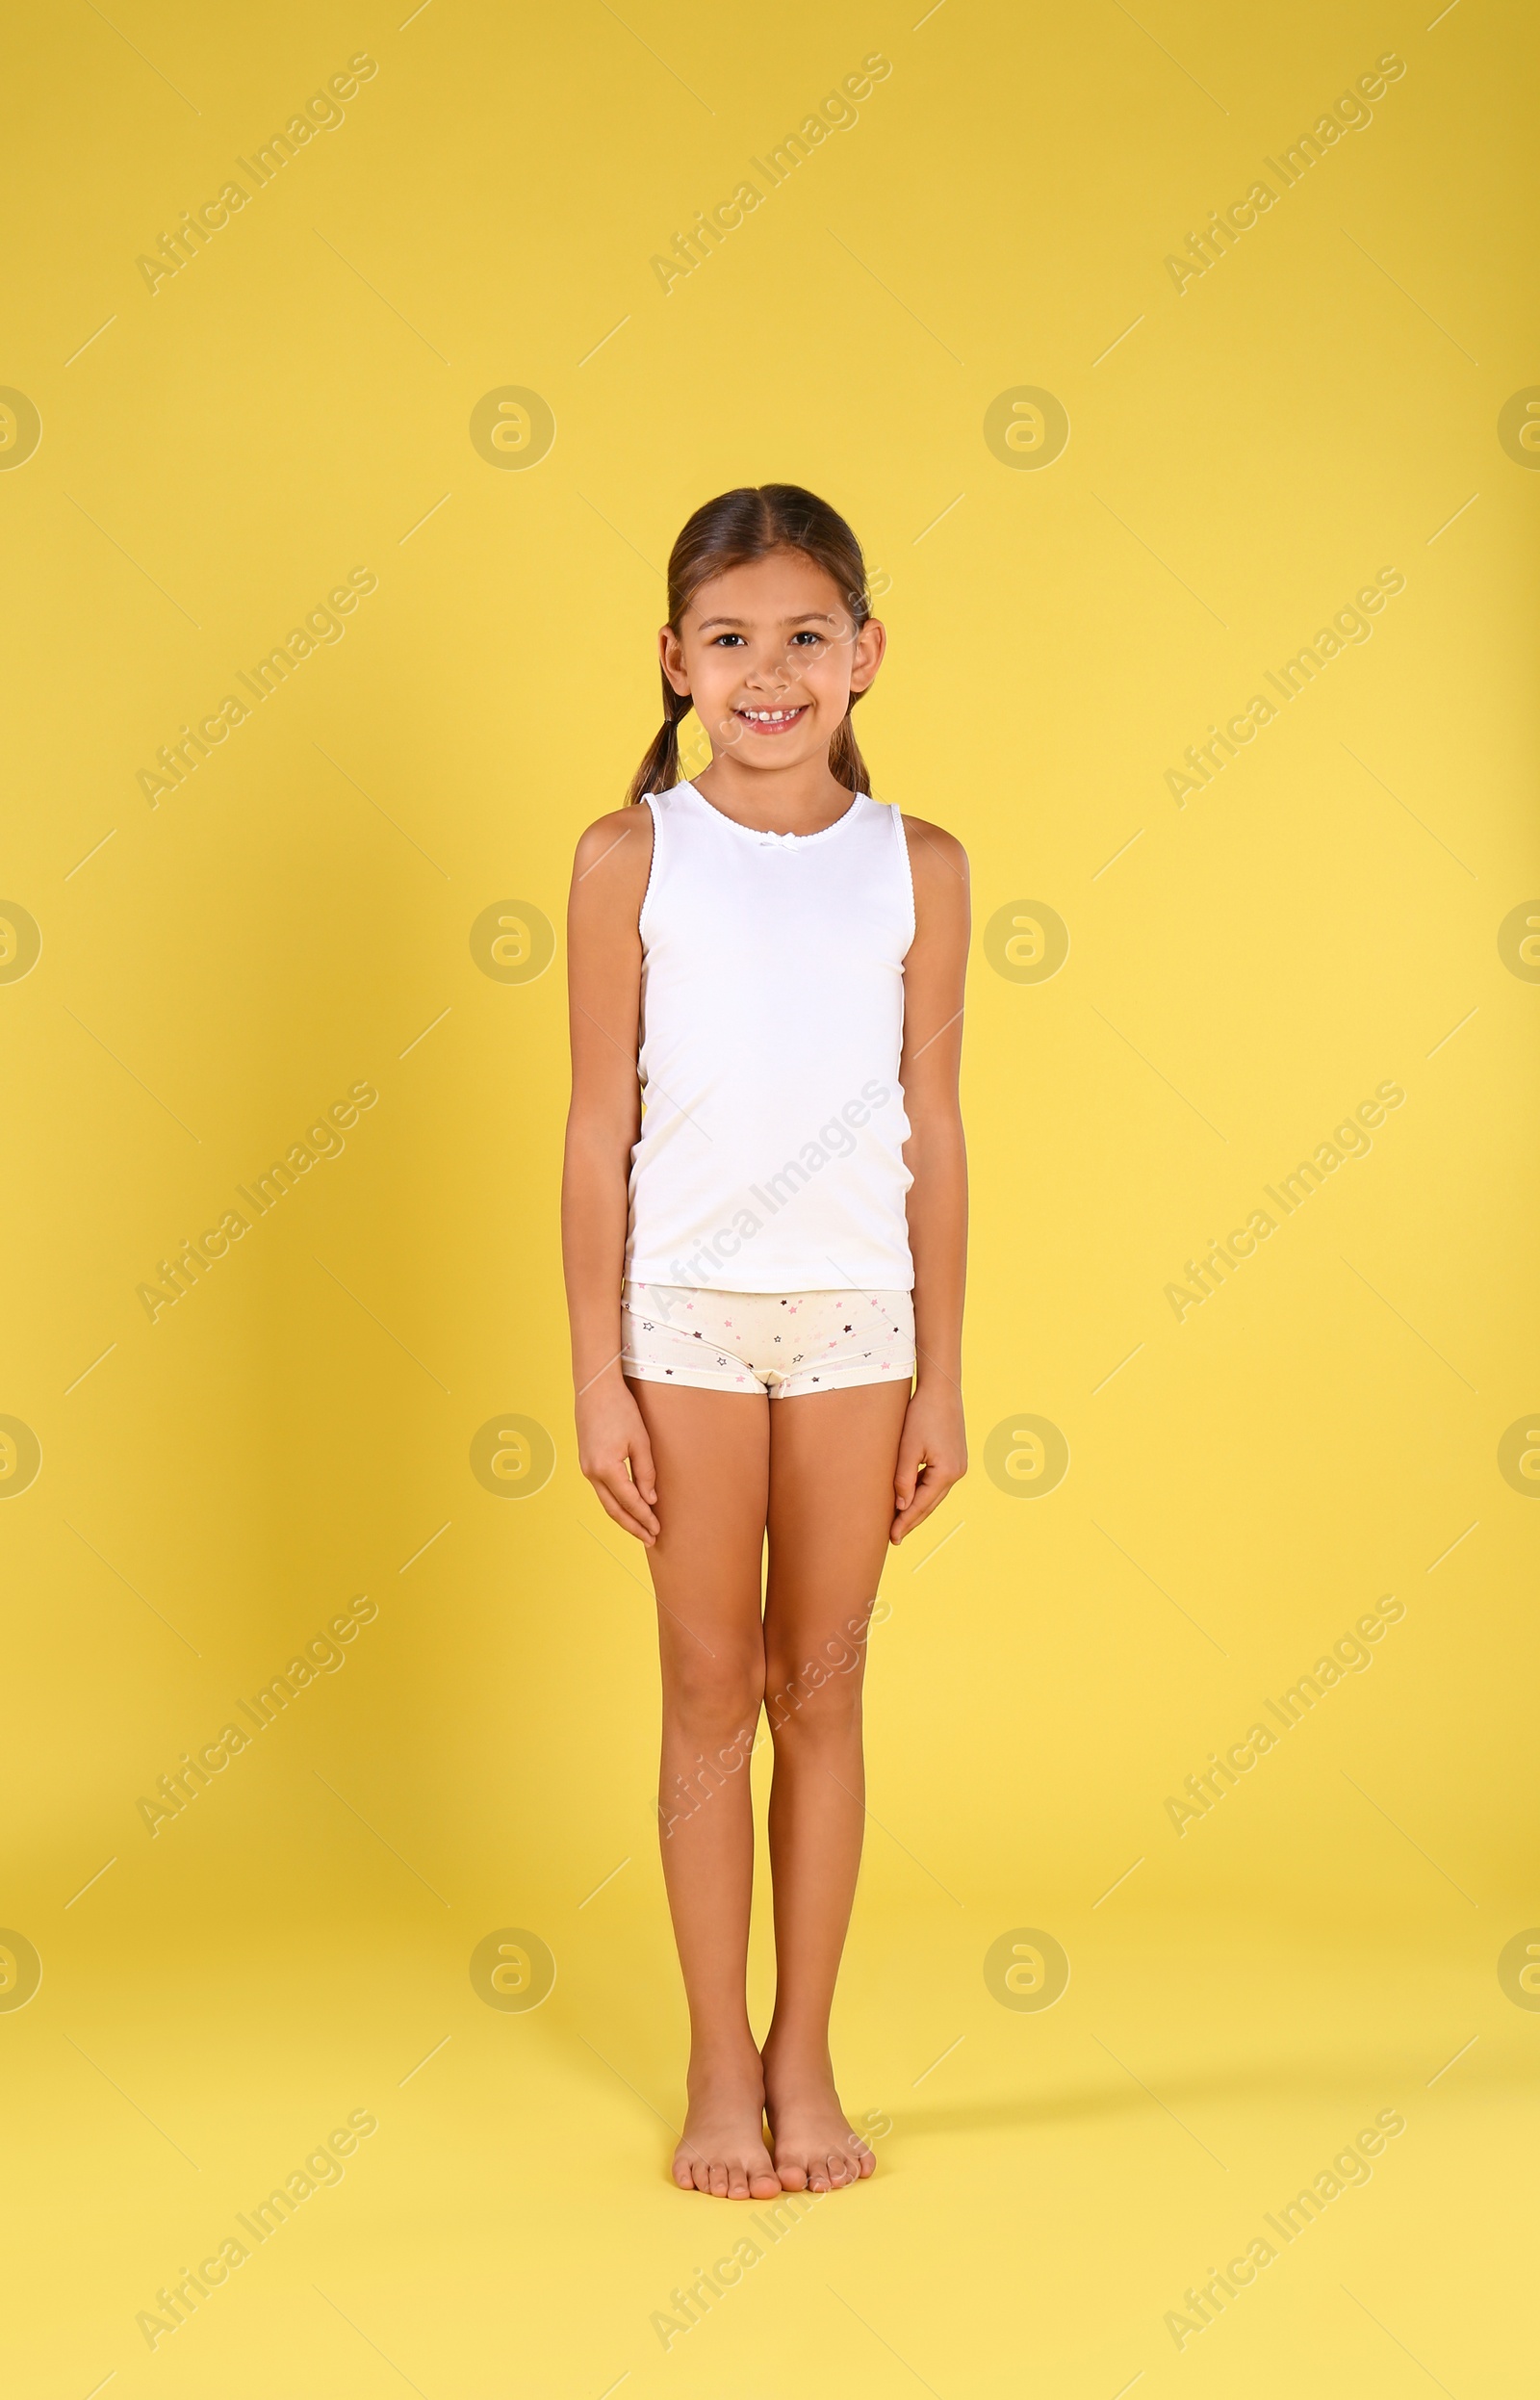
(770, 720)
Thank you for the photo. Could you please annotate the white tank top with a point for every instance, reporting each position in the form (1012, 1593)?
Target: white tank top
(770, 1157)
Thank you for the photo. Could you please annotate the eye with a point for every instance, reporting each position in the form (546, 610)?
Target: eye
(808, 635)
(726, 637)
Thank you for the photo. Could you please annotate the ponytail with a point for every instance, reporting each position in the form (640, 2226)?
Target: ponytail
(733, 530)
(846, 764)
(659, 770)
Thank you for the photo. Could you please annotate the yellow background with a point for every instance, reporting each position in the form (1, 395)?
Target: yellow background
(215, 971)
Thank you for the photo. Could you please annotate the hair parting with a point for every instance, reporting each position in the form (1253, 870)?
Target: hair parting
(733, 530)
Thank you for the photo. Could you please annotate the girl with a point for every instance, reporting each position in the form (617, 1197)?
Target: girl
(764, 1220)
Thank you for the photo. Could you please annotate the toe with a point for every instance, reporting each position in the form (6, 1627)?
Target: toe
(764, 2183)
(818, 2175)
(701, 2169)
(718, 2179)
(793, 2175)
(737, 2180)
(865, 2158)
(681, 2174)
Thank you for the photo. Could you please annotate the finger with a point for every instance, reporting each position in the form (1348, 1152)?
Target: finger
(933, 1486)
(626, 1524)
(911, 1466)
(618, 1484)
(644, 1475)
(914, 1488)
(924, 1503)
(622, 1516)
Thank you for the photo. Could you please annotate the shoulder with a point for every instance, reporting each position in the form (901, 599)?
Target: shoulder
(939, 867)
(627, 830)
(615, 855)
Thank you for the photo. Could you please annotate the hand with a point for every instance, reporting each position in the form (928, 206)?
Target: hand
(610, 1434)
(933, 1455)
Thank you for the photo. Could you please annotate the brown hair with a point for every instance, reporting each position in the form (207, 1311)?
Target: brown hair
(733, 530)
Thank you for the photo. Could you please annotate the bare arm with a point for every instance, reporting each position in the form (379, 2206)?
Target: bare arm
(932, 1452)
(604, 970)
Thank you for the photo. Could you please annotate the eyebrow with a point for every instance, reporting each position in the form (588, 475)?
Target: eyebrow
(807, 616)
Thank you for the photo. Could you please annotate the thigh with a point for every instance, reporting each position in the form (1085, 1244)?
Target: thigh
(711, 1453)
(832, 1458)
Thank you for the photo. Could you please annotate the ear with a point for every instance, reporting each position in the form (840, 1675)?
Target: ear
(866, 655)
(671, 651)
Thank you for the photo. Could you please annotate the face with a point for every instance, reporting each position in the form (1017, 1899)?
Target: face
(770, 656)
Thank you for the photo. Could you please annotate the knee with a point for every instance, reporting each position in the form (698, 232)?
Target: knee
(715, 1698)
(819, 1699)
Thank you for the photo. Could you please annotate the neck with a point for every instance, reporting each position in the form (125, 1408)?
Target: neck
(800, 799)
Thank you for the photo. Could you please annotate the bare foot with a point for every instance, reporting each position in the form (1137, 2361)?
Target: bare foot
(814, 2146)
(722, 2149)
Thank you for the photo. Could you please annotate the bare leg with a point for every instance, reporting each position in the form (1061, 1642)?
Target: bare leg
(711, 1453)
(832, 1457)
